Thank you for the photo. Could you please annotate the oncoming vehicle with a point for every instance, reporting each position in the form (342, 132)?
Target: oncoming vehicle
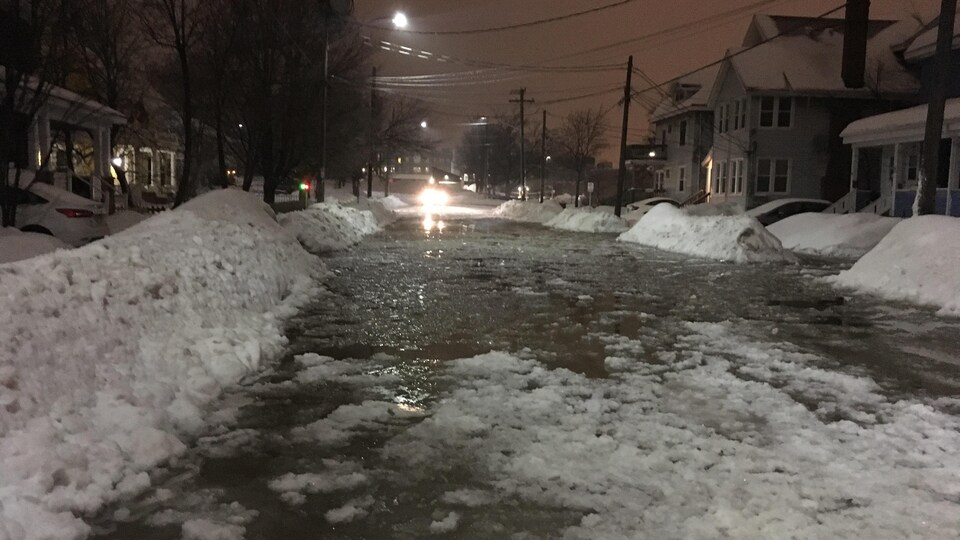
(42, 208)
(774, 211)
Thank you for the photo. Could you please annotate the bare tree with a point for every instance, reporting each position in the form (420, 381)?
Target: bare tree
(33, 54)
(176, 25)
(581, 137)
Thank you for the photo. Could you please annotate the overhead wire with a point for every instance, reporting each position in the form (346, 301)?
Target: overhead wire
(516, 26)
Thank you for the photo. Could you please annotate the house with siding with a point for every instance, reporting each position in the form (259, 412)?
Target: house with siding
(780, 104)
(888, 148)
(683, 128)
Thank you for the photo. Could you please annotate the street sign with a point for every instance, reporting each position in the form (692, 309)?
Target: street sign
(589, 187)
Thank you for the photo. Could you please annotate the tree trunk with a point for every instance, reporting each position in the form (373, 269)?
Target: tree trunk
(221, 153)
(185, 188)
(576, 198)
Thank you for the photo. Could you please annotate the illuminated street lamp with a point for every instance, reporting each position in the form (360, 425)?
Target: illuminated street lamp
(424, 124)
(399, 20)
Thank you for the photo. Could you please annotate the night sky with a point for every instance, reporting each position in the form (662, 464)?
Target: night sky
(479, 91)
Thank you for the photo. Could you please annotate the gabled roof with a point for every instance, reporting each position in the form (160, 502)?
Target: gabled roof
(74, 106)
(925, 44)
(804, 57)
(701, 81)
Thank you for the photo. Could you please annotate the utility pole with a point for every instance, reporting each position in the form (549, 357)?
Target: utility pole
(523, 158)
(543, 154)
(373, 116)
(926, 200)
(323, 127)
(622, 172)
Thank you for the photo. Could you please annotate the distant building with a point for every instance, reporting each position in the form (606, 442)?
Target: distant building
(683, 127)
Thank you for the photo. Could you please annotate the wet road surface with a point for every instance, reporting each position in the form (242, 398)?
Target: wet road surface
(408, 301)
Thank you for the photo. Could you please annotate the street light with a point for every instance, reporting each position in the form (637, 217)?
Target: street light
(399, 20)
(423, 124)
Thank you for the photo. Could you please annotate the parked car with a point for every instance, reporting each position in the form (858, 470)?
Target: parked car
(46, 209)
(774, 211)
(651, 202)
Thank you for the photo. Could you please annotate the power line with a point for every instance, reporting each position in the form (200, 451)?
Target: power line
(508, 27)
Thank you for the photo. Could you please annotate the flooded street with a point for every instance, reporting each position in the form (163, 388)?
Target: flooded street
(630, 393)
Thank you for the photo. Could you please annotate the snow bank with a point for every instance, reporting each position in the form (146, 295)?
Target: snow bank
(17, 246)
(833, 235)
(326, 227)
(739, 239)
(122, 221)
(528, 211)
(919, 261)
(110, 353)
(588, 220)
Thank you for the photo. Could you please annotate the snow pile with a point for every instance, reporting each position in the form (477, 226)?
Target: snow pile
(392, 202)
(588, 220)
(832, 235)
(716, 436)
(110, 353)
(326, 227)
(17, 246)
(122, 221)
(528, 211)
(919, 261)
(740, 239)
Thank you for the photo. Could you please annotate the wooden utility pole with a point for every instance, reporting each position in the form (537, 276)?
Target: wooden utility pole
(622, 172)
(926, 201)
(543, 154)
(523, 158)
(373, 117)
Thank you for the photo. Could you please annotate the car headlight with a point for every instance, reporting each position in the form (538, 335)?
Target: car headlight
(434, 197)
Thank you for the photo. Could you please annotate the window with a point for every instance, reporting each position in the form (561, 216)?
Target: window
(166, 168)
(658, 180)
(913, 168)
(682, 179)
(683, 132)
(743, 113)
(773, 175)
(736, 176)
(144, 168)
(664, 180)
(663, 138)
(776, 112)
(737, 105)
(723, 118)
(722, 176)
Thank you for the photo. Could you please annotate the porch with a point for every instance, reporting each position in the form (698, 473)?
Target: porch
(887, 163)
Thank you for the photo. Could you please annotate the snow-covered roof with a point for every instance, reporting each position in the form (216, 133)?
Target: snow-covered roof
(925, 44)
(701, 80)
(74, 106)
(807, 56)
(903, 125)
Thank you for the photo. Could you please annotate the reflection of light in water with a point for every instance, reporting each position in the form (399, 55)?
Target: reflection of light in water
(429, 224)
(409, 407)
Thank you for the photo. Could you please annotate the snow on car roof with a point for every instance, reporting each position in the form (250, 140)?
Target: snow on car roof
(763, 208)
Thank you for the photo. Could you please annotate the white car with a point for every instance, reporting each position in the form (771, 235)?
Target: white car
(45, 209)
(774, 211)
(637, 210)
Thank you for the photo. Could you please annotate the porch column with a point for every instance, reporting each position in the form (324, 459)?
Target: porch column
(953, 180)
(44, 140)
(101, 161)
(894, 178)
(854, 168)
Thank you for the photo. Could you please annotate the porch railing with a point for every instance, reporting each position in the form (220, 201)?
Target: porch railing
(846, 204)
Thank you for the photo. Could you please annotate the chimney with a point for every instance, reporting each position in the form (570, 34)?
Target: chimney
(855, 43)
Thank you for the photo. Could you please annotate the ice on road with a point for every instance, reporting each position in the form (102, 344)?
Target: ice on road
(498, 380)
